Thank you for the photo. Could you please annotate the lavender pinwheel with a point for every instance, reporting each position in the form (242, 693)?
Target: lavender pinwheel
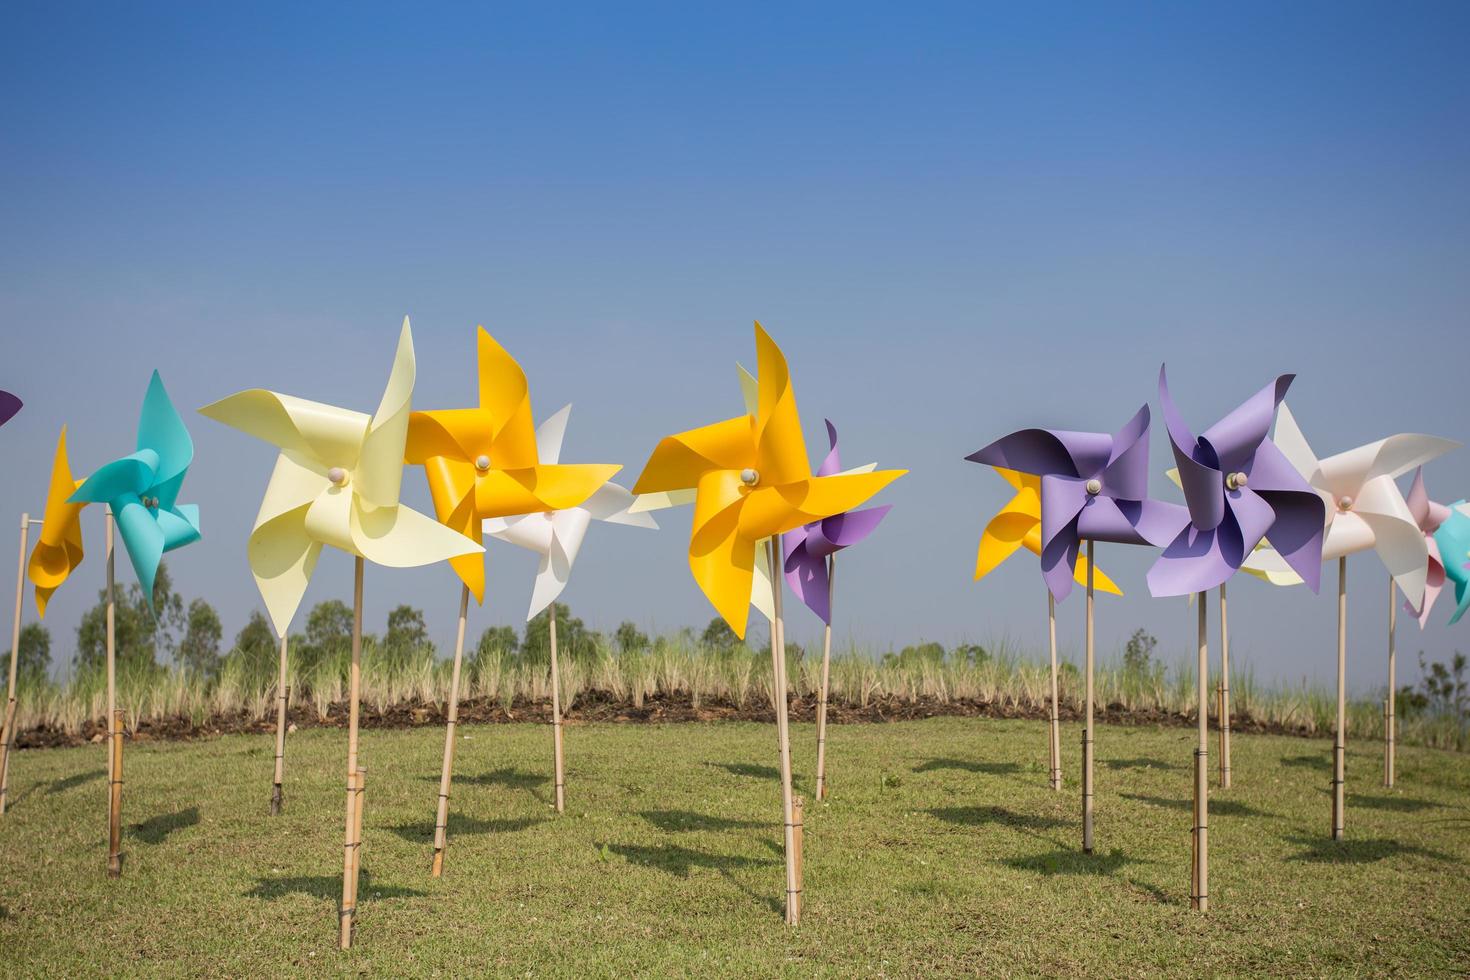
(1094, 487)
(808, 547)
(1239, 489)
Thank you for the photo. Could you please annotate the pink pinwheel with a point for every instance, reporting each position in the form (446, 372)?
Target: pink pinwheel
(808, 547)
(1239, 489)
(1429, 515)
(1094, 487)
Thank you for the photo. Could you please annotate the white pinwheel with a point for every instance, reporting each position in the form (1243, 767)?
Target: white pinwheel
(1366, 510)
(556, 535)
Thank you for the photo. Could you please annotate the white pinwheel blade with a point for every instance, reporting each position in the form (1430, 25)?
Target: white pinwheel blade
(530, 531)
(379, 473)
(613, 504)
(549, 435)
(569, 527)
(1293, 444)
(645, 502)
(760, 584)
(1396, 536)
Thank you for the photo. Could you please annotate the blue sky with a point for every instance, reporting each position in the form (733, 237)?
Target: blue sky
(956, 220)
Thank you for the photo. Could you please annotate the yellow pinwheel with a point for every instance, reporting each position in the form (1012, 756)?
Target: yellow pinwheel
(482, 462)
(59, 550)
(1018, 525)
(752, 480)
(336, 482)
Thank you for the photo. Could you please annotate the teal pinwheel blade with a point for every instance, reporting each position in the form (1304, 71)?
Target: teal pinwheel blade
(1453, 539)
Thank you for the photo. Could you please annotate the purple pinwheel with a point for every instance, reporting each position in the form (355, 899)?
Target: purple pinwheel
(1094, 487)
(1240, 489)
(808, 547)
(9, 405)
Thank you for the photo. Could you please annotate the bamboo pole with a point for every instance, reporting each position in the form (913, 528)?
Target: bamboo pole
(115, 783)
(1339, 744)
(1200, 900)
(347, 914)
(1389, 735)
(283, 699)
(7, 734)
(1224, 692)
(446, 772)
(556, 733)
(783, 733)
(798, 821)
(360, 791)
(1055, 736)
(826, 678)
(111, 650)
(1087, 723)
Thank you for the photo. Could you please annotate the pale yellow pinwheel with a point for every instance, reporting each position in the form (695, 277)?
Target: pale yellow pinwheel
(336, 482)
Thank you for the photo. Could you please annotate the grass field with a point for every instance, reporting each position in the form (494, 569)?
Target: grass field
(941, 851)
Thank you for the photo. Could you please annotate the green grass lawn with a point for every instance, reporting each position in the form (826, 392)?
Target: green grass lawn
(942, 850)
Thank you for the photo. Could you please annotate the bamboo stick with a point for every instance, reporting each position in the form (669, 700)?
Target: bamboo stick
(783, 733)
(826, 678)
(798, 821)
(1224, 692)
(1055, 737)
(1339, 744)
(1087, 723)
(556, 734)
(1389, 735)
(358, 805)
(1200, 900)
(283, 699)
(446, 772)
(115, 783)
(7, 733)
(111, 650)
(348, 911)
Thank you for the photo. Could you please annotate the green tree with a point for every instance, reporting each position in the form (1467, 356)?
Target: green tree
(199, 649)
(630, 638)
(1138, 653)
(141, 633)
(970, 654)
(329, 623)
(254, 651)
(573, 639)
(33, 663)
(406, 629)
(498, 639)
(719, 636)
(916, 654)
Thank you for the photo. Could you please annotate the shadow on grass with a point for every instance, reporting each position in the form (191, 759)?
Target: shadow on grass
(965, 765)
(1071, 862)
(1395, 804)
(680, 861)
(155, 830)
(746, 769)
(1356, 851)
(327, 886)
(1224, 808)
(1319, 762)
(422, 832)
(1139, 763)
(674, 821)
(72, 782)
(977, 816)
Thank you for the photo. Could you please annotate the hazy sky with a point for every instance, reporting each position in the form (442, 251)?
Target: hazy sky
(956, 222)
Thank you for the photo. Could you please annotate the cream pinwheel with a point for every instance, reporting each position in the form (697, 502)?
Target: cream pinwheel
(336, 482)
(1365, 511)
(753, 482)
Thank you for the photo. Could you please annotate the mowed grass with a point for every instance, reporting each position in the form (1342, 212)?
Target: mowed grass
(941, 851)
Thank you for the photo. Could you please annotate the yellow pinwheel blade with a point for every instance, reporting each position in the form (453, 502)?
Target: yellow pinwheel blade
(59, 550)
(780, 449)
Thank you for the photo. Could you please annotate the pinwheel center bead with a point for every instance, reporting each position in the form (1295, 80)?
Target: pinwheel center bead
(482, 463)
(338, 476)
(749, 477)
(1345, 503)
(1094, 487)
(1235, 481)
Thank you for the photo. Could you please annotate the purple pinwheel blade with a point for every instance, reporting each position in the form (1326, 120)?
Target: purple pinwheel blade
(832, 464)
(1235, 437)
(9, 405)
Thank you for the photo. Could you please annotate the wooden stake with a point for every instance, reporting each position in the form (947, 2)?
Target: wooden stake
(798, 820)
(1339, 744)
(1055, 738)
(783, 733)
(1200, 899)
(1087, 723)
(360, 790)
(1224, 692)
(556, 736)
(446, 772)
(826, 677)
(111, 655)
(7, 733)
(1388, 720)
(114, 824)
(283, 699)
(348, 912)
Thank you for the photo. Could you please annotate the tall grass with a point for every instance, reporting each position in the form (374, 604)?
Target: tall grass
(676, 667)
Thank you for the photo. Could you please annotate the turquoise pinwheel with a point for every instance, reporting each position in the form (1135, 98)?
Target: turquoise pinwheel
(143, 488)
(1453, 539)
